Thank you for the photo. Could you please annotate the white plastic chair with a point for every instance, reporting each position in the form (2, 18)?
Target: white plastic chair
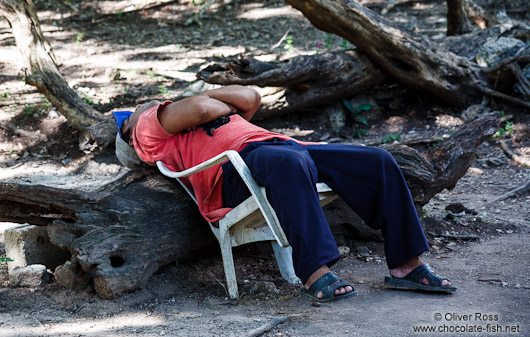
(251, 221)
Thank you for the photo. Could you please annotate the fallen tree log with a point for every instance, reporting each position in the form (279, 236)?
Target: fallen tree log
(441, 167)
(120, 234)
(306, 81)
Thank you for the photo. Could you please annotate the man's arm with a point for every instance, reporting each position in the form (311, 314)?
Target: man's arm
(208, 106)
(244, 99)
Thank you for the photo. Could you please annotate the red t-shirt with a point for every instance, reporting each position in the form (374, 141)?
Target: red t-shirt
(186, 149)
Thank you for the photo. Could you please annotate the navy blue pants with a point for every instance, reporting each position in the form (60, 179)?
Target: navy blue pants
(366, 178)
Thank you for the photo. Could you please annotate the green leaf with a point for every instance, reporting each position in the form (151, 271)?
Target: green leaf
(509, 127)
(390, 138)
(357, 133)
(364, 107)
(361, 119)
(348, 105)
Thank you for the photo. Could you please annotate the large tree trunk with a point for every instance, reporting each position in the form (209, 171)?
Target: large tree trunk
(409, 58)
(457, 22)
(122, 233)
(42, 72)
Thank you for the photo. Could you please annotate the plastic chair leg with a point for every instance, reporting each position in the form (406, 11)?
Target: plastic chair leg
(284, 258)
(228, 263)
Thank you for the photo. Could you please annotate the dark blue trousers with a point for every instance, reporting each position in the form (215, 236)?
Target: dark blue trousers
(366, 178)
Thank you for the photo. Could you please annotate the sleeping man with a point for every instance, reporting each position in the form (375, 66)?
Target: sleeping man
(187, 132)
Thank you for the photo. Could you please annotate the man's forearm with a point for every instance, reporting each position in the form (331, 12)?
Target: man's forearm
(245, 100)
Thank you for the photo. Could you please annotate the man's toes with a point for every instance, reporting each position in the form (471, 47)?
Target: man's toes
(343, 290)
(445, 283)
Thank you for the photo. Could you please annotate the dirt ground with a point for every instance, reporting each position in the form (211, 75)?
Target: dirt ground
(116, 63)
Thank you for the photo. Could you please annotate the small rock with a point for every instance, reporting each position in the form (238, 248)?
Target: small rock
(344, 251)
(492, 162)
(336, 116)
(197, 87)
(32, 276)
(504, 284)
(458, 207)
(325, 137)
(363, 251)
(53, 114)
(256, 287)
(316, 304)
(71, 277)
(473, 112)
(517, 285)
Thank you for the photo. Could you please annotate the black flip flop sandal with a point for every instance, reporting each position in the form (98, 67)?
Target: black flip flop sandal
(323, 284)
(413, 281)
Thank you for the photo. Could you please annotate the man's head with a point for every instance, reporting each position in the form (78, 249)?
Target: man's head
(129, 123)
(124, 149)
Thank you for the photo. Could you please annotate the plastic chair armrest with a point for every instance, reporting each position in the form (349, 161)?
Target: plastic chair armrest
(243, 170)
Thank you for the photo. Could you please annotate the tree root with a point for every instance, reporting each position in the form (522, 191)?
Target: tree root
(267, 326)
(513, 155)
(521, 79)
(456, 237)
(511, 193)
(498, 94)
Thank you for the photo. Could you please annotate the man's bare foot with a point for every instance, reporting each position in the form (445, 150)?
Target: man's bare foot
(317, 274)
(410, 265)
